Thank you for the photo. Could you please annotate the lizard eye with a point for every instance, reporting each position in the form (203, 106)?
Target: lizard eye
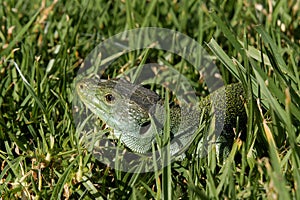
(109, 98)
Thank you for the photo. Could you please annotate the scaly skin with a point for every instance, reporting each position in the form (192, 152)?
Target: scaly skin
(137, 114)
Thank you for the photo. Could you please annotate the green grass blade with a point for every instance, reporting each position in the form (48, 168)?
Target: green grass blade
(19, 35)
(57, 191)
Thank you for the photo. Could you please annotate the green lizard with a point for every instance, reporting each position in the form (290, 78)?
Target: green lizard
(137, 114)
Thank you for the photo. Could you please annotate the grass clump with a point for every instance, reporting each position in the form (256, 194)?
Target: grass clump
(43, 45)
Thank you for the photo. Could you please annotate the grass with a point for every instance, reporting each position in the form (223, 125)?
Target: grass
(41, 154)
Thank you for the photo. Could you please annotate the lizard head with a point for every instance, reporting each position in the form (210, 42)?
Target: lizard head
(126, 107)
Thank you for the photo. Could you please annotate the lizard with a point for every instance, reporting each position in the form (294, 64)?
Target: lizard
(137, 114)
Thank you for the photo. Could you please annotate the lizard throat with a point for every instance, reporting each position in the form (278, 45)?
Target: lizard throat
(137, 144)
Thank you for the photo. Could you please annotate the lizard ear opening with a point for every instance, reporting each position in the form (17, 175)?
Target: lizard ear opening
(145, 127)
